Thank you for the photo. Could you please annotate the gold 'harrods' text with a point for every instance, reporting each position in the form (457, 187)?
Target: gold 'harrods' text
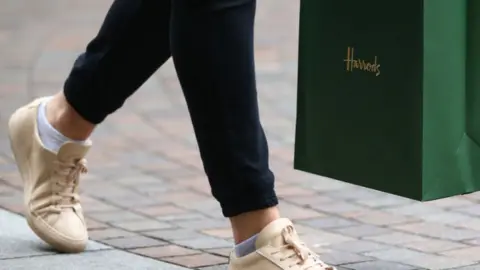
(359, 64)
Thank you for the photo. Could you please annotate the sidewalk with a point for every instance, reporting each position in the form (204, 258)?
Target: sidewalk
(146, 195)
(21, 250)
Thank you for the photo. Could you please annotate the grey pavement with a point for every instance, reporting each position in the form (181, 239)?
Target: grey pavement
(20, 249)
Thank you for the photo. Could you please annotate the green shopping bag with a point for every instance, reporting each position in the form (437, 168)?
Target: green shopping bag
(389, 95)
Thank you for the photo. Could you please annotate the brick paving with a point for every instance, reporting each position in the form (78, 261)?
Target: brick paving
(147, 193)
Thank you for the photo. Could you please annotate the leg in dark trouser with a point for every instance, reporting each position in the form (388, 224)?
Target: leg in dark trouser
(131, 45)
(49, 137)
(212, 47)
(212, 43)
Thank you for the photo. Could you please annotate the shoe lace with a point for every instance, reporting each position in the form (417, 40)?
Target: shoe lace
(301, 256)
(67, 183)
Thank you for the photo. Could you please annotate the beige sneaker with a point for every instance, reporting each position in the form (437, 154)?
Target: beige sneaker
(279, 248)
(50, 181)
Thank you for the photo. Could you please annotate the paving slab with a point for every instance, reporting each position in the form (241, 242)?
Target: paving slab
(21, 249)
(103, 260)
(17, 240)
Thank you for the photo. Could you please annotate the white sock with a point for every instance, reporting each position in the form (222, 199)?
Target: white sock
(51, 138)
(246, 247)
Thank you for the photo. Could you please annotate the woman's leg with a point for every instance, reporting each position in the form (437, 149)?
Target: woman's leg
(212, 47)
(213, 50)
(133, 42)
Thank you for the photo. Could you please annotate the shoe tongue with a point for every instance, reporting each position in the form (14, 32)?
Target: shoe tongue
(71, 151)
(272, 234)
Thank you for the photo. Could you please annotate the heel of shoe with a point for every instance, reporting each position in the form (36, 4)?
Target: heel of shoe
(18, 125)
(22, 129)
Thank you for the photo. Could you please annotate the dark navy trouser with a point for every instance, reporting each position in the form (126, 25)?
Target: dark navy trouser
(211, 42)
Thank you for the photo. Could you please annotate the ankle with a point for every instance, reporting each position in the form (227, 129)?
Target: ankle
(246, 225)
(66, 120)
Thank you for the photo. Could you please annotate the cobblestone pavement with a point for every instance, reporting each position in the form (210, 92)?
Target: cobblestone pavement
(20, 250)
(147, 193)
